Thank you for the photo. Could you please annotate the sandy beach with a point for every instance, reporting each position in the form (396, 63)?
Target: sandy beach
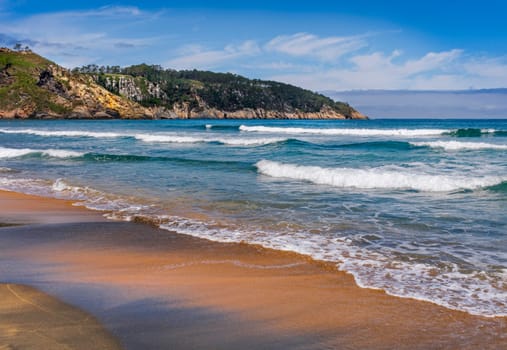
(155, 289)
(30, 319)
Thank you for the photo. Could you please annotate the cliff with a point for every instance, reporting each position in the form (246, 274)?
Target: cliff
(34, 87)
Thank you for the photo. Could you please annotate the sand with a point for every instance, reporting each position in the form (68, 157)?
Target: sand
(30, 319)
(156, 289)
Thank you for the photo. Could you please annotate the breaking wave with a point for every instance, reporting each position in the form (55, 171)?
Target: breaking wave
(67, 133)
(405, 278)
(193, 139)
(474, 132)
(54, 153)
(376, 178)
(457, 145)
(340, 131)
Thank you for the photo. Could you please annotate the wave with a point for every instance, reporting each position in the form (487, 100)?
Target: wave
(501, 187)
(6, 170)
(68, 133)
(404, 278)
(54, 153)
(474, 132)
(104, 157)
(373, 145)
(193, 139)
(220, 127)
(375, 178)
(341, 131)
(456, 145)
(162, 138)
(397, 145)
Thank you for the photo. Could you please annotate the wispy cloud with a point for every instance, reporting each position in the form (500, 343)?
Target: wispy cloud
(379, 63)
(434, 70)
(367, 59)
(83, 35)
(194, 56)
(305, 44)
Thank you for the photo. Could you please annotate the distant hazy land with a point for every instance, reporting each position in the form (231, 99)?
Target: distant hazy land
(487, 103)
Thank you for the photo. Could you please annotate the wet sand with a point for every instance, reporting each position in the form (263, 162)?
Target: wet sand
(156, 289)
(30, 319)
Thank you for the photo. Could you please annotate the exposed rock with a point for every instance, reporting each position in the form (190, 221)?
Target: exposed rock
(48, 82)
(38, 88)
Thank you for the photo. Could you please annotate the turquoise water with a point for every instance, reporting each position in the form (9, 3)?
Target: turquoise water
(417, 208)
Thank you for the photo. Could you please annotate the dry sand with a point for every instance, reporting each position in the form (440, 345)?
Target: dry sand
(156, 289)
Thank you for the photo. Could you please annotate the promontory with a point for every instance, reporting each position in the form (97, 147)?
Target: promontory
(34, 87)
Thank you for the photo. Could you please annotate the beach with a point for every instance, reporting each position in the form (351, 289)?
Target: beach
(30, 319)
(156, 289)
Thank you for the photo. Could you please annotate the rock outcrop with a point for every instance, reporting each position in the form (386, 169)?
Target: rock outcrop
(33, 87)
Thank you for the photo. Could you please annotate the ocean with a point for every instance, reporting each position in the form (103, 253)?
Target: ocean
(417, 208)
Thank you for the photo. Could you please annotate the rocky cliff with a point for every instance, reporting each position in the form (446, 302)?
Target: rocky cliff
(33, 87)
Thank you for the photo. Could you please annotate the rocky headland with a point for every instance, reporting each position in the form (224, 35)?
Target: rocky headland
(34, 87)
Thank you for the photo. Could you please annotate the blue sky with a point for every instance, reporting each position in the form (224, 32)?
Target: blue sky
(319, 45)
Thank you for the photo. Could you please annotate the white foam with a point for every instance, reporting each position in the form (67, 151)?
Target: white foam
(376, 178)
(192, 139)
(477, 293)
(340, 131)
(55, 153)
(69, 133)
(457, 145)
(169, 138)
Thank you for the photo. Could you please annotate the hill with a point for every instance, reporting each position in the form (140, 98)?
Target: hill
(34, 87)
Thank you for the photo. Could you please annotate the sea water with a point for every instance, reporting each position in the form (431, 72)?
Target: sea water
(417, 208)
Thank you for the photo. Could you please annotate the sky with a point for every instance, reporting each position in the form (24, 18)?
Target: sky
(318, 45)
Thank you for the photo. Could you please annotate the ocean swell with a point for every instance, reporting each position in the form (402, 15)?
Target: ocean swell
(54, 153)
(192, 139)
(340, 131)
(457, 145)
(375, 178)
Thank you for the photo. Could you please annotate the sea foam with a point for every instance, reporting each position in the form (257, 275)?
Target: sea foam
(457, 145)
(376, 178)
(405, 279)
(192, 139)
(340, 131)
(67, 133)
(55, 153)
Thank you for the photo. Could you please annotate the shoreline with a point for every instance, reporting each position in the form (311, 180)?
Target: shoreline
(227, 294)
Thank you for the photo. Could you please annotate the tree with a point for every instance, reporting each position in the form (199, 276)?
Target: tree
(18, 47)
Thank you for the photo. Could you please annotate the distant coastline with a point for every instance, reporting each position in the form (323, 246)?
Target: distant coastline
(422, 104)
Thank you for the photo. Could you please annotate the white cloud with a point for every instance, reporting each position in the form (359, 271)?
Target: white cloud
(326, 49)
(378, 62)
(447, 70)
(128, 35)
(79, 37)
(489, 68)
(195, 56)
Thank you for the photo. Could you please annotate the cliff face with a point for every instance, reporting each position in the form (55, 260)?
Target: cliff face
(135, 89)
(33, 87)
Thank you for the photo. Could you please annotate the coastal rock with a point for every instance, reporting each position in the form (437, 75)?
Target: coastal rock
(34, 87)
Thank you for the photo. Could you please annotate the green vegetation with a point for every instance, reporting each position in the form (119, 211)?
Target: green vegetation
(223, 91)
(33, 87)
(19, 74)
